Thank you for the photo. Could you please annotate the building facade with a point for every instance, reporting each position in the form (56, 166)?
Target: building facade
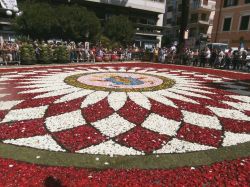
(8, 10)
(232, 23)
(201, 15)
(147, 15)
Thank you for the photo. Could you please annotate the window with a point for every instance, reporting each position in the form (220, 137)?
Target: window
(244, 24)
(180, 7)
(204, 17)
(194, 18)
(247, 1)
(170, 9)
(228, 3)
(227, 24)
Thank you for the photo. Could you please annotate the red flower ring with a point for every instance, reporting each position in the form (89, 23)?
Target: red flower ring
(44, 109)
(227, 173)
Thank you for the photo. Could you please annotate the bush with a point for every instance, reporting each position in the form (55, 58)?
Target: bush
(27, 53)
(61, 54)
(46, 55)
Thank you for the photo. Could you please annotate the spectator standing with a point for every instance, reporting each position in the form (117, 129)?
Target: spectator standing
(236, 59)
(195, 57)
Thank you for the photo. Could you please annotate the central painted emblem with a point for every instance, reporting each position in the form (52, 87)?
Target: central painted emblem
(120, 82)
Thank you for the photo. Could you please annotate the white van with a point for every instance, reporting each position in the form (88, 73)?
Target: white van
(221, 46)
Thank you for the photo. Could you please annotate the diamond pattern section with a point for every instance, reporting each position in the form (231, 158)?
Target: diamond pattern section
(7, 105)
(240, 106)
(25, 114)
(236, 126)
(211, 122)
(161, 125)
(133, 112)
(113, 125)
(22, 129)
(196, 134)
(45, 142)
(97, 111)
(79, 138)
(65, 107)
(143, 140)
(35, 103)
(196, 108)
(110, 148)
(231, 114)
(166, 111)
(65, 121)
(181, 146)
(235, 138)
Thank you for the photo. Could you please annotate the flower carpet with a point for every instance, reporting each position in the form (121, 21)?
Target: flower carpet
(111, 124)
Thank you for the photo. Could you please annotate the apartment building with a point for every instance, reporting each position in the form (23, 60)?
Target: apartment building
(8, 10)
(201, 15)
(232, 23)
(147, 15)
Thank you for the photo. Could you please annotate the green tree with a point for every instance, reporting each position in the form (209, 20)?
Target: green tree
(119, 29)
(38, 21)
(44, 21)
(77, 23)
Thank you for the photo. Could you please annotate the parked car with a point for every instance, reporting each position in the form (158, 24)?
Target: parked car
(221, 46)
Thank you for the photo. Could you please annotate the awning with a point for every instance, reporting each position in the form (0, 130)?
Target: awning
(8, 4)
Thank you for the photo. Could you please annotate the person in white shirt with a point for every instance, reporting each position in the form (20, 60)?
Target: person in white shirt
(208, 55)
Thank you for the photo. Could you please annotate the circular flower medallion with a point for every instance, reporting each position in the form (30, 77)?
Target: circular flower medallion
(120, 82)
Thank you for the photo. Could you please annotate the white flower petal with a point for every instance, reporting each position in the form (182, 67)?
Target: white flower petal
(176, 96)
(186, 88)
(235, 138)
(201, 120)
(140, 99)
(7, 105)
(187, 93)
(117, 100)
(242, 98)
(74, 95)
(45, 142)
(180, 146)
(228, 113)
(94, 98)
(160, 99)
(113, 125)
(58, 93)
(65, 121)
(239, 106)
(110, 148)
(47, 89)
(162, 125)
(25, 114)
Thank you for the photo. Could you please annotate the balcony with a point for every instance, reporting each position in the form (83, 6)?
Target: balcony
(151, 30)
(148, 5)
(6, 21)
(202, 22)
(202, 7)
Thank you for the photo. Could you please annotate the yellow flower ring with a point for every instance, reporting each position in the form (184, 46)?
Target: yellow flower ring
(74, 81)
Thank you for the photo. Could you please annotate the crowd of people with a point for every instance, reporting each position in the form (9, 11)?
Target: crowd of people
(82, 52)
(9, 52)
(215, 58)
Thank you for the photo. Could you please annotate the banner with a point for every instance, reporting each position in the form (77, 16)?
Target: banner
(8, 4)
